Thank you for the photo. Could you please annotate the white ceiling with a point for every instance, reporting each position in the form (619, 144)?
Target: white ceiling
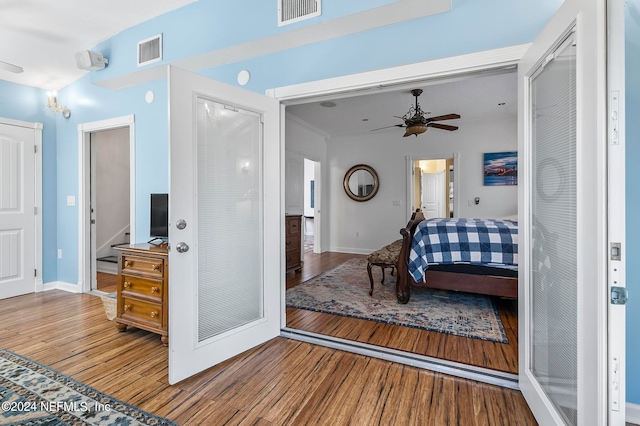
(474, 98)
(43, 36)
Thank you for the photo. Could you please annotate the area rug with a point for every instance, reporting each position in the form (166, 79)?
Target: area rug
(344, 291)
(32, 394)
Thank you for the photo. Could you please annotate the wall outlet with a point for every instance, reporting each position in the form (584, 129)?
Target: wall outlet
(71, 200)
(471, 203)
(59, 253)
(397, 203)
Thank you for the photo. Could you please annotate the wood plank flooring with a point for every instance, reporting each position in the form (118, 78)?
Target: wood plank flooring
(107, 282)
(281, 382)
(496, 356)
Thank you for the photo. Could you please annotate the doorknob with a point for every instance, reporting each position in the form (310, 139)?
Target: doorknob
(182, 247)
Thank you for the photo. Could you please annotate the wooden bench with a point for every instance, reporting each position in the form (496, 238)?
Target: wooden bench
(386, 257)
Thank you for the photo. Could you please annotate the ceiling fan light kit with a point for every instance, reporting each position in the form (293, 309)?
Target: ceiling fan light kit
(416, 122)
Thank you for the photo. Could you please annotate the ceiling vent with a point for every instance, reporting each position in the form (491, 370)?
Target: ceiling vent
(290, 11)
(150, 50)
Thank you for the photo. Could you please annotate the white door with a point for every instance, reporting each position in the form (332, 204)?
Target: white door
(563, 196)
(432, 197)
(224, 204)
(17, 210)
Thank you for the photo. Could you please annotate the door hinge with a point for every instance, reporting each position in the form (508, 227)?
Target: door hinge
(35, 149)
(619, 295)
(35, 210)
(35, 272)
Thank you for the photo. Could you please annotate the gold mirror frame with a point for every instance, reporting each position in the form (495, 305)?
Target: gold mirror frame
(347, 177)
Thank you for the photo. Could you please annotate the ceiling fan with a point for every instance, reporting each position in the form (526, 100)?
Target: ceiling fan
(10, 67)
(416, 123)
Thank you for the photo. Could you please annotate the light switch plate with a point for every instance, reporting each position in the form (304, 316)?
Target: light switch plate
(71, 200)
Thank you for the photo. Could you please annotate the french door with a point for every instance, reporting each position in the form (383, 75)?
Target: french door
(563, 197)
(224, 216)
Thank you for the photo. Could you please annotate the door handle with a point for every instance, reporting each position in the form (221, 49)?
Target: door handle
(182, 247)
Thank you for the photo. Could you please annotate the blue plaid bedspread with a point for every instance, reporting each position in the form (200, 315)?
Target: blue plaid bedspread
(476, 241)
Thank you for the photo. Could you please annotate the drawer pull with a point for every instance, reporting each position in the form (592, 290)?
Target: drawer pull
(154, 314)
(127, 307)
(127, 284)
(155, 267)
(127, 263)
(155, 289)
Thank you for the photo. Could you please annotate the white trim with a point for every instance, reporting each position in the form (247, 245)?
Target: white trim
(456, 182)
(60, 285)
(350, 85)
(107, 267)
(633, 413)
(388, 78)
(37, 127)
(616, 212)
(84, 130)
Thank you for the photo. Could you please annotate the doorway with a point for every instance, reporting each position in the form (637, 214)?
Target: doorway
(310, 222)
(110, 203)
(434, 187)
(106, 201)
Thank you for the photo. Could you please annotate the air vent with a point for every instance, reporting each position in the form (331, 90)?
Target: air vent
(290, 11)
(150, 50)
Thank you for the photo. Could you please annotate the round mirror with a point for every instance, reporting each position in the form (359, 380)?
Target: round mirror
(361, 182)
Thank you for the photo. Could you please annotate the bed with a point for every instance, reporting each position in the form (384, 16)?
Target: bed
(471, 255)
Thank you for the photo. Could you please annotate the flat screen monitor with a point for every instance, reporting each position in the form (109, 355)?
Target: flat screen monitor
(159, 216)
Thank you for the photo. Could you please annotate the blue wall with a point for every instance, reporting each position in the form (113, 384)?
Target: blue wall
(632, 92)
(210, 25)
(28, 104)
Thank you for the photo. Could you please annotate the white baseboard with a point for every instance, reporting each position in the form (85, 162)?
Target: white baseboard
(59, 285)
(351, 250)
(633, 413)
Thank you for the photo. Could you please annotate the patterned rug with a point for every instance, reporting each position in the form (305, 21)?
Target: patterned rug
(344, 290)
(32, 394)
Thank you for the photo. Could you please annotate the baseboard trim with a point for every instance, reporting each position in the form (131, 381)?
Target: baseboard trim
(59, 285)
(351, 250)
(633, 413)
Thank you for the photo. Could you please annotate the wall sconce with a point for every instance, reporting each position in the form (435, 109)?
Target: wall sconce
(53, 105)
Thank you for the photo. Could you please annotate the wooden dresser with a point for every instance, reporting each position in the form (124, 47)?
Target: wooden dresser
(143, 289)
(293, 238)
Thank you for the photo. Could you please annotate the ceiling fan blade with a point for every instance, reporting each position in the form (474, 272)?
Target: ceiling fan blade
(380, 128)
(442, 126)
(10, 67)
(443, 117)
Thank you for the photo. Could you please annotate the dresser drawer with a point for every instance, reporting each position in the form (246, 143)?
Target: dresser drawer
(135, 286)
(293, 258)
(293, 226)
(150, 266)
(292, 242)
(141, 311)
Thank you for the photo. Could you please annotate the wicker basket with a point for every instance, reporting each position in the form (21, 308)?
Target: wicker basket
(109, 302)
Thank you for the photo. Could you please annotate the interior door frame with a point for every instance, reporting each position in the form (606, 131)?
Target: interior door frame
(410, 160)
(85, 243)
(37, 128)
(384, 80)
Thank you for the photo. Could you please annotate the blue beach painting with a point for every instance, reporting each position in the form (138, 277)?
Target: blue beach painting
(501, 168)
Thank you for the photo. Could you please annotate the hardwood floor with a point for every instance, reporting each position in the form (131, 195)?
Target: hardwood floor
(496, 356)
(107, 282)
(281, 382)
